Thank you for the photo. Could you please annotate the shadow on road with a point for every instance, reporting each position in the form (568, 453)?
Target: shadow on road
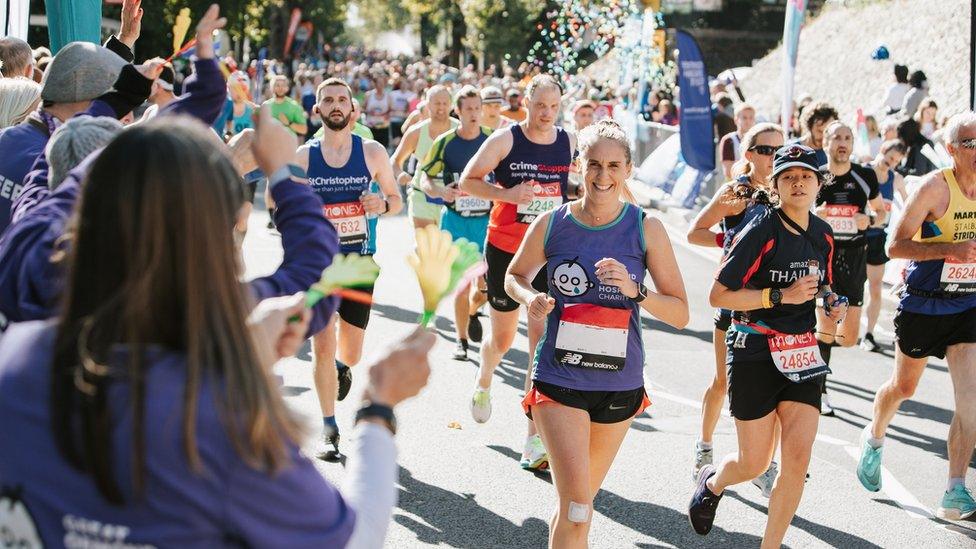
(964, 527)
(830, 536)
(458, 520)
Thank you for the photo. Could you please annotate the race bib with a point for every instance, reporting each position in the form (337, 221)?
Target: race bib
(841, 219)
(349, 219)
(548, 196)
(591, 336)
(797, 356)
(958, 277)
(470, 206)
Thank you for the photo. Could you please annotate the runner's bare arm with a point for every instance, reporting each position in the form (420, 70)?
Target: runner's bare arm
(720, 206)
(929, 201)
(406, 147)
(379, 167)
(668, 302)
(301, 159)
(880, 213)
(529, 258)
(745, 299)
(900, 187)
(491, 153)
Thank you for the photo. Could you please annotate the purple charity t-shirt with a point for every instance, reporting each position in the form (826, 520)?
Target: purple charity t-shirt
(44, 500)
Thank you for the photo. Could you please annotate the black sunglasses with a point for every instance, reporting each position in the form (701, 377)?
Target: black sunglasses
(967, 144)
(765, 150)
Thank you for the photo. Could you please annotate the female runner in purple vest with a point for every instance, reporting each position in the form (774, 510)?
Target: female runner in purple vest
(588, 381)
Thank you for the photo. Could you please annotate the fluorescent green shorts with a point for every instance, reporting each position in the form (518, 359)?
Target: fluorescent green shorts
(418, 206)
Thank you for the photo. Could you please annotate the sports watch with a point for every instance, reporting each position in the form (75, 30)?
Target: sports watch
(641, 293)
(776, 297)
(380, 411)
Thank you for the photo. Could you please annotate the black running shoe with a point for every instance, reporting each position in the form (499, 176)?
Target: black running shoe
(345, 379)
(701, 509)
(461, 350)
(869, 344)
(475, 331)
(331, 439)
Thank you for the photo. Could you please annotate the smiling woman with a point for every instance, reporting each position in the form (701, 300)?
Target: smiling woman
(588, 380)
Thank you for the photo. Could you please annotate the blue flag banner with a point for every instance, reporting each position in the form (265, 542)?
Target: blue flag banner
(695, 115)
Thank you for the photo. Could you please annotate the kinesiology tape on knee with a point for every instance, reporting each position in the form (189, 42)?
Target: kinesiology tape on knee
(579, 512)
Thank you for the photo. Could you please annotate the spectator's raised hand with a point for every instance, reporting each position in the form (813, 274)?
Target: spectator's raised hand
(274, 144)
(131, 26)
(210, 22)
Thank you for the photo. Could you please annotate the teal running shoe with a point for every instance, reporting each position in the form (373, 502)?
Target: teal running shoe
(957, 504)
(869, 466)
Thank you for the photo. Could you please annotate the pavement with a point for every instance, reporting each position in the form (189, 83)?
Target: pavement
(462, 487)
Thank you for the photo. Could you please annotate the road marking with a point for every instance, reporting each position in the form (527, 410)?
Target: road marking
(894, 489)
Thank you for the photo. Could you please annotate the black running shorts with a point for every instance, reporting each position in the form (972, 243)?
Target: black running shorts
(603, 406)
(920, 335)
(850, 273)
(723, 319)
(876, 248)
(757, 387)
(355, 312)
(498, 261)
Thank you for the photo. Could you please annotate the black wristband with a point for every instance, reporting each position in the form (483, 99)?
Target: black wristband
(380, 411)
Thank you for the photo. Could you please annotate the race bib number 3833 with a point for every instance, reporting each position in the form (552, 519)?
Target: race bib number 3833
(841, 219)
(349, 219)
(548, 196)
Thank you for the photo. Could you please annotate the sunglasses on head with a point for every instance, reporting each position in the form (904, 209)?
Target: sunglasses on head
(765, 150)
(969, 144)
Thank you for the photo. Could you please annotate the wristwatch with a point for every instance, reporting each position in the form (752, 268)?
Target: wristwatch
(380, 411)
(641, 293)
(776, 297)
(288, 171)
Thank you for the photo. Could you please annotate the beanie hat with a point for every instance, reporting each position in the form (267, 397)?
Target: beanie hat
(74, 140)
(81, 71)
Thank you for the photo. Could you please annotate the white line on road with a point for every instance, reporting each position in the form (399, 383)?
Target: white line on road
(894, 489)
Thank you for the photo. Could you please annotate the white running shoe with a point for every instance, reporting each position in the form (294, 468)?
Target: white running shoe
(825, 408)
(534, 457)
(481, 405)
(703, 457)
(766, 480)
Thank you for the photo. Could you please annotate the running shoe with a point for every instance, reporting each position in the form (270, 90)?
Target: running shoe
(703, 457)
(767, 480)
(460, 350)
(475, 330)
(481, 405)
(534, 456)
(869, 344)
(331, 437)
(701, 509)
(957, 504)
(345, 379)
(869, 466)
(825, 408)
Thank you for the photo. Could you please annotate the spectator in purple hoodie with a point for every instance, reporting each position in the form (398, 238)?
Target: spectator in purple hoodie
(78, 74)
(147, 405)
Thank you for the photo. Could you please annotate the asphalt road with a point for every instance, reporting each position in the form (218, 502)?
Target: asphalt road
(462, 487)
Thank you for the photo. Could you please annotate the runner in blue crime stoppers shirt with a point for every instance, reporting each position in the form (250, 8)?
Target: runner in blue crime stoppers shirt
(776, 267)
(588, 382)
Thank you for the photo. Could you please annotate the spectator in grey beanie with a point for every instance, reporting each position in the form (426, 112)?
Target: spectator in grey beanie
(74, 141)
(78, 75)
